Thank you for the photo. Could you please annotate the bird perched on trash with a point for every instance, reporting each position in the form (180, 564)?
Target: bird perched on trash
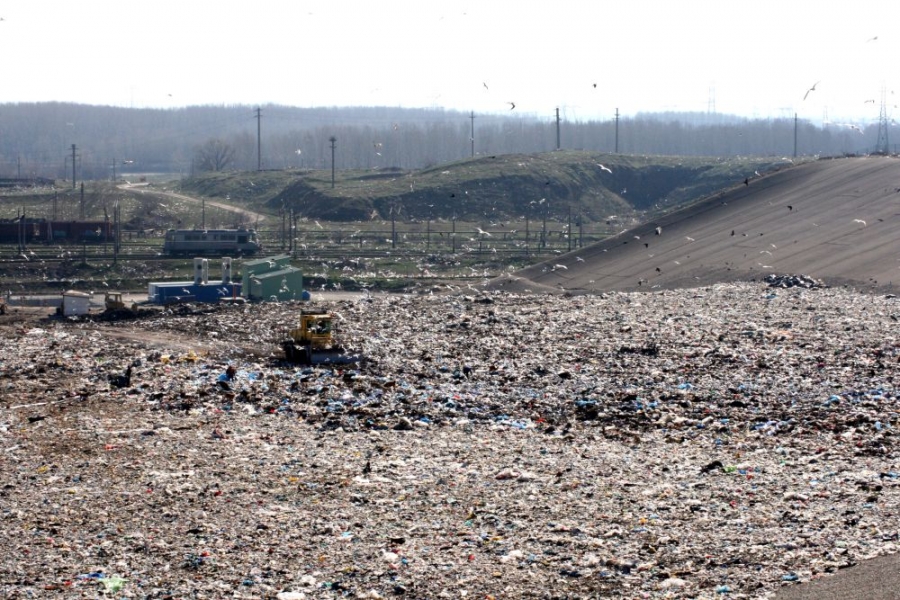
(716, 464)
(120, 380)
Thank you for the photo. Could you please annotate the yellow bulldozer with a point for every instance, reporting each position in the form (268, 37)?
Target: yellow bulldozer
(314, 342)
(113, 301)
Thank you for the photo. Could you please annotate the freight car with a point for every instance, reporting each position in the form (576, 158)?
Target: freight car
(45, 231)
(197, 242)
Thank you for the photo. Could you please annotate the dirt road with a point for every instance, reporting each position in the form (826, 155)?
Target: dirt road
(247, 215)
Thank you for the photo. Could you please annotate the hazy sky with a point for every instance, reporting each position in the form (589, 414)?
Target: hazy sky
(755, 58)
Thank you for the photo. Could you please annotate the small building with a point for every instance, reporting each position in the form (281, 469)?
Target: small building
(75, 303)
(273, 278)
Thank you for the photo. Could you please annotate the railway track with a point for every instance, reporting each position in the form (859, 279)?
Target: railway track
(10, 255)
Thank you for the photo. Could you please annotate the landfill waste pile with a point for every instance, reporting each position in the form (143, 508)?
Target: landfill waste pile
(786, 281)
(719, 442)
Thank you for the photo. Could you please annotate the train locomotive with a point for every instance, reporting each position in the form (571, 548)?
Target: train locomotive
(197, 242)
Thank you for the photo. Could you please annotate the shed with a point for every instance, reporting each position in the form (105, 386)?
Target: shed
(75, 303)
(271, 278)
(283, 284)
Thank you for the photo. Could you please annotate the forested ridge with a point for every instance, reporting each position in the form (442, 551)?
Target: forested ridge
(36, 139)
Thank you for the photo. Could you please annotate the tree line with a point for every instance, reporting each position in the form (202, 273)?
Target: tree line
(36, 139)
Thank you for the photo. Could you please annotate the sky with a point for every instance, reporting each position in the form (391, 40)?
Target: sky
(827, 62)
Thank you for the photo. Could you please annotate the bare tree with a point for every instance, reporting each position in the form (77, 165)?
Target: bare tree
(214, 155)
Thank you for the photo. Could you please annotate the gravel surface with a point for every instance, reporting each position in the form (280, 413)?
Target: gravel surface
(719, 442)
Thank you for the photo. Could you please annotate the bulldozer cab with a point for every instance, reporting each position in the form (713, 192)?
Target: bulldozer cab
(314, 328)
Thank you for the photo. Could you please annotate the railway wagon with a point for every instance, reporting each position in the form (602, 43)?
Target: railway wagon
(46, 231)
(198, 242)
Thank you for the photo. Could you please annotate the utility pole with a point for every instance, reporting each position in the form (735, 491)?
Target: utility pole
(20, 233)
(115, 232)
(882, 146)
(472, 131)
(617, 131)
(795, 135)
(114, 170)
(258, 139)
(453, 235)
(332, 139)
(544, 227)
(73, 167)
(393, 227)
(292, 241)
(557, 128)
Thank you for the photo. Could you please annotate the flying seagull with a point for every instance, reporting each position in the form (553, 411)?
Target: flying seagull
(812, 89)
(605, 168)
(860, 221)
(512, 105)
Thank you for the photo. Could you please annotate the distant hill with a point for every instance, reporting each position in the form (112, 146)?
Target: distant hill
(834, 220)
(593, 186)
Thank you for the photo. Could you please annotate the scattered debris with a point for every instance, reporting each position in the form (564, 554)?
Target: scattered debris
(788, 281)
(719, 440)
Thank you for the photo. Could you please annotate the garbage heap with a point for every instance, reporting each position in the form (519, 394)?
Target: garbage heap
(714, 442)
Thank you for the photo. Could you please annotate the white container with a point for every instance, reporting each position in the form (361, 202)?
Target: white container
(226, 270)
(201, 271)
(75, 303)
